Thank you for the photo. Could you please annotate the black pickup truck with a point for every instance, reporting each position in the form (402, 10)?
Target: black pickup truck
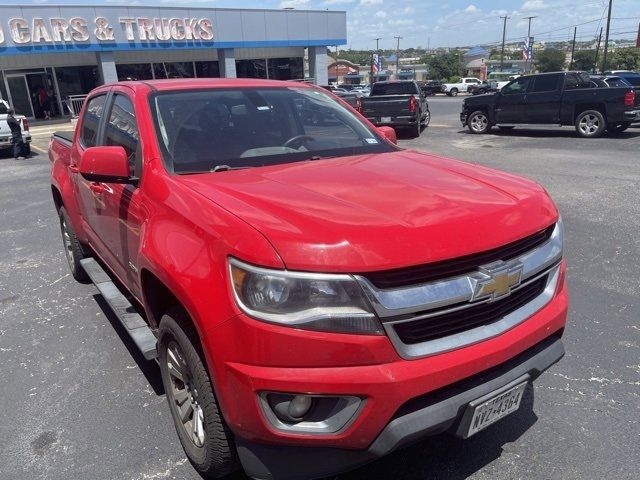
(559, 98)
(400, 104)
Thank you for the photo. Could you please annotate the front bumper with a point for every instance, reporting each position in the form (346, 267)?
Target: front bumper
(429, 414)
(463, 118)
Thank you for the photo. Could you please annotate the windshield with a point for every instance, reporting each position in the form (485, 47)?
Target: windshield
(200, 130)
(394, 88)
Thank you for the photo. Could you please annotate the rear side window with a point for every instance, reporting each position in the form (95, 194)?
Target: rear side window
(635, 81)
(122, 129)
(519, 85)
(395, 88)
(91, 121)
(546, 83)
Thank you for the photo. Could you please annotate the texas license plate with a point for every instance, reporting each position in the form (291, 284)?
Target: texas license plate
(495, 408)
(385, 119)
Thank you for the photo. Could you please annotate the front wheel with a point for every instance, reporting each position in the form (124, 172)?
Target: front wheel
(478, 122)
(590, 124)
(204, 436)
(453, 92)
(618, 127)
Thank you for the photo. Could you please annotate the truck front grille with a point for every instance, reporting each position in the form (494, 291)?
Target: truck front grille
(437, 326)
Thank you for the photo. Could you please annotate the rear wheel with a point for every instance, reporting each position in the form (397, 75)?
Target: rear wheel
(453, 92)
(478, 122)
(426, 119)
(590, 124)
(618, 127)
(72, 247)
(205, 437)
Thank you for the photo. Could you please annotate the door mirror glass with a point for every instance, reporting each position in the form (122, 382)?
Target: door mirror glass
(388, 133)
(105, 164)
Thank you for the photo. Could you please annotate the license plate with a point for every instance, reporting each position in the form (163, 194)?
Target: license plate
(495, 408)
(385, 119)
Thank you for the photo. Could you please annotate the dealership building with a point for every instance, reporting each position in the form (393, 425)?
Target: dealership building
(50, 55)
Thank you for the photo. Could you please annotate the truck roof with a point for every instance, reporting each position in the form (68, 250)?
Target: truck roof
(191, 83)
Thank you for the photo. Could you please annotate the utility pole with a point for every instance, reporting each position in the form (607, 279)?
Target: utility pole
(573, 47)
(595, 65)
(526, 64)
(398, 38)
(606, 40)
(504, 32)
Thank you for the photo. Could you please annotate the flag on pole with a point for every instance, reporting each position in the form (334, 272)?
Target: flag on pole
(527, 49)
(377, 63)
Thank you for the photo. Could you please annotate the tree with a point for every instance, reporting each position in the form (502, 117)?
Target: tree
(445, 65)
(625, 59)
(550, 60)
(584, 60)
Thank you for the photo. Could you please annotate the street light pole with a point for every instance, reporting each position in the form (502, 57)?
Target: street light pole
(398, 38)
(504, 32)
(526, 63)
(573, 47)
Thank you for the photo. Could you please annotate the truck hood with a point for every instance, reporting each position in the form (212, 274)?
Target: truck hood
(382, 211)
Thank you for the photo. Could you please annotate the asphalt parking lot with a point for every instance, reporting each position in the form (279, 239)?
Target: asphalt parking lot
(79, 401)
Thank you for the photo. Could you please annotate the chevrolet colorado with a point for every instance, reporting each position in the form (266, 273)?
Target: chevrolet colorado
(558, 98)
(316, 297)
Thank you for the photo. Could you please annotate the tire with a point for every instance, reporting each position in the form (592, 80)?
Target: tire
(453, 92)
(506, 128)
(478, 122)
(427, 119)
(417, 130)
(590, 124)
(72, 247)
(204, 436)
(618, 127)
(482, 91)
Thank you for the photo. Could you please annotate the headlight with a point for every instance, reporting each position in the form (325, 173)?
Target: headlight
(333, 303)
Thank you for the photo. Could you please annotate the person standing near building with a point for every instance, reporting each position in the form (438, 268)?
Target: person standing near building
(16, 133)
(48, 104)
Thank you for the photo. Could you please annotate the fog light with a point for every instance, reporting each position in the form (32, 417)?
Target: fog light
(309, 413)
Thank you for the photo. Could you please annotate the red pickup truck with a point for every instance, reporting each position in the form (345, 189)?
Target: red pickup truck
(316, 297)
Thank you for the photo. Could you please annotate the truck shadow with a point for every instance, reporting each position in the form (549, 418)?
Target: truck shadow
(149, 369)
(520, 132)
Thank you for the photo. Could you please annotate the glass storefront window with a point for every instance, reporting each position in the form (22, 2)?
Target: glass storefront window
(76, 81)
(207, 70)
(286, 68)
(173, 70)
(134, 71)
(251, 68)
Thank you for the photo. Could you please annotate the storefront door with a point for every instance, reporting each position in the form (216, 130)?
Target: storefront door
(19, 95)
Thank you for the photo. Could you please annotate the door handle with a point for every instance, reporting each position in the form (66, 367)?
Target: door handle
(74, 168)
(96, 188)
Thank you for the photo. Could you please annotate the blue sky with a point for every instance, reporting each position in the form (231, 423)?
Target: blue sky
(440, 22)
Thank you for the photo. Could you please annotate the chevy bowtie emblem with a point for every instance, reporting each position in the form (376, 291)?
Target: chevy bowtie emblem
(496, 280)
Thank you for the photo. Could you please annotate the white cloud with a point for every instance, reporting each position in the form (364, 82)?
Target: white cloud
(530, 5)
(471, 9)
(294, 3)
(368, 3)
(401, 22)
(381, 14)
(337, 2)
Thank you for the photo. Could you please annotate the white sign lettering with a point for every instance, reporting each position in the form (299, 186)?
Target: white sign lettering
(134, 29)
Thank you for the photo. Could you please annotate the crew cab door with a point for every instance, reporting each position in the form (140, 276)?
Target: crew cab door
(544, 99)
(123, 212)
(510, 104)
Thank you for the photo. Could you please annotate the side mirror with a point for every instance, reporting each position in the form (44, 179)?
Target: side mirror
(388, 133)
(105, 164)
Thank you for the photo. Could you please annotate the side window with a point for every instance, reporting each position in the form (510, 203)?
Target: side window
(546, 83)
(519, 85)
(122, 129)
(573, 81)
(91, 121)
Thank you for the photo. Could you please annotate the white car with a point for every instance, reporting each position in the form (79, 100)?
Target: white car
(5, 131)
(452, 89)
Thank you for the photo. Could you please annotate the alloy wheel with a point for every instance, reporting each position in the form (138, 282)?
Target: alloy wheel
(68, 245)
(184, 395)
(479, 123)
(589, 124)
